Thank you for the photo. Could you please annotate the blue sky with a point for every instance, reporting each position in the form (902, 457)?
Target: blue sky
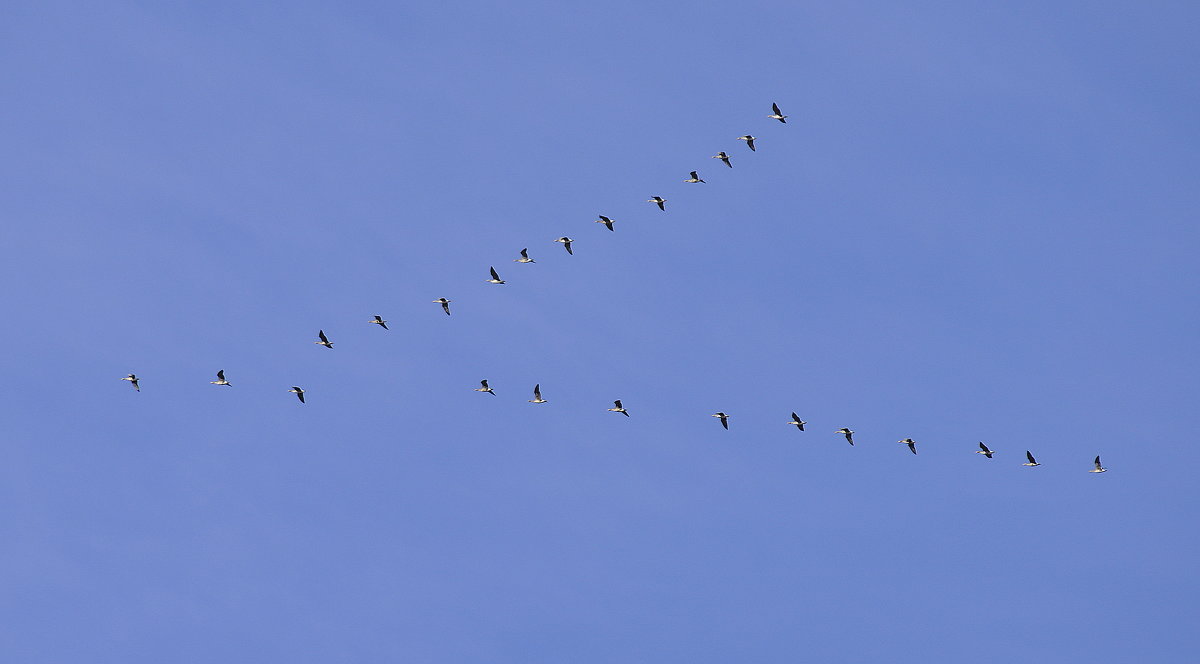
(977, 225)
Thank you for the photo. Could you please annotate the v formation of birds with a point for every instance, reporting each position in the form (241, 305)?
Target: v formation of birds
(660, 202)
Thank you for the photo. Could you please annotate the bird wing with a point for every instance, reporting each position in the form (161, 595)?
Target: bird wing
(912, 447)
(537, 391)
(775, 107)
(1029, 456)
(750, 142)
(221, 375)
(984, 447)
(694, 176)
(617, 403)
(494, 275)
(567, 246)
(795, 417)
(483, 384)
(300, 396)
(1098, 462)
(321, 333)
(661, 206)
(525, 253)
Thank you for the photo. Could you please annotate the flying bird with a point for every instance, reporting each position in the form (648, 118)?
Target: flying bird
(723, 157)
(483, 387)
(537, 394)
(566, 243)
(619, 408)
(694, 179)
(1032, 461)
(606, 221)
(221, 379)
(912, 444)
(798, 422)
(495, 277)
(847, 433)
(983, 449)
(324, 339)
(1098, 468)
(445, 304)
(659, 200)
(724, 419)
(749, 141)
(524, 257)
(133, 380)
(380, 322)
(777, 115)
(298, 392)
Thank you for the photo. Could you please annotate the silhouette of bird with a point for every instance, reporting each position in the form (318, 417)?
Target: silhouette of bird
(723, 157)
(495, 277)
(483, 387)
(797, 421)
(221, 379)
(847, 433)
(445, 304)
(1032, 461)
(324, 339)
(694, 179)
(1098, 468)
(134, 381)
(619, 408)
(537, 394)
(524, 257)
(724, 419)
(777, 115)
(659, 200)
(606, 221)
(380, 322)
(298, 392)
(912, 444)
(566, 243)
(749, 141)
(983, 449)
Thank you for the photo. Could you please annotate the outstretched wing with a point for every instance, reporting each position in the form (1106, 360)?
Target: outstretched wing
(775, 107)
(221, 375)
(324, 339)
(494, 275)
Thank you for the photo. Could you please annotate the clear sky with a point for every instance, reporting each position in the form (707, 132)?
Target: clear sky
(978, 224)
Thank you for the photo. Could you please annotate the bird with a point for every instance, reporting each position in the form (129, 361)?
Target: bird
(566, 243)
(619, 408)
(723, 157)
(606, 221)
(724, 419)
(777, 115)
(798, 422)
(1032, 461)
(537, 394)
(324, 339)
(298, 392)
(749, 141)
(495, 277)
(659, 200)
(524, 257)
(483, 387)
(380, 322)
(445, 304)
(695, 178)
(912, 444)
(1098, 468)
(847, 433)
(133, 379)
(221, 379)
(983, 449)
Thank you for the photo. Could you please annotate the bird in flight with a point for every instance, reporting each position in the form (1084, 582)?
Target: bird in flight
(1032, 461)
(524, 257)
(495, 277)
(723, 157)
(618, 408)
(133, 380)
(749, 141)
(847, 433)
(1098, 468)
(483, 387)
(724, 419)
(221, 379)
(983, 449)
(537, 394)
(298, 392)
(778, 114)
(566, 243)
(445, 304)
(659, 201)
(606, 221)
(694, 179)
(324, 339)
(912, 444)
(380, 322)
(798, 422)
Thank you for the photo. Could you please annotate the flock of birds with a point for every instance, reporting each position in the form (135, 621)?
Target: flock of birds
(693, 178)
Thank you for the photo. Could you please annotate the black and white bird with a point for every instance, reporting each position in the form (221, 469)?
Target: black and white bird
(606, 221)
(380, 322)
(298, 392)
(724, 419)
(798, 422)
(1032, 461)
(749, 141)
(495, 277)
(659, 201)
(694, 179)
(1098, 468)
(983, 449)
(618, 408)
(847, 433)
(723, 157)
(324, 339)
(537, 394)
(221, 379)
(566, 243)
(134, 381)
(524, 257)
(912, 444)
(777, 114)
(445, 304)
(483, 387)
